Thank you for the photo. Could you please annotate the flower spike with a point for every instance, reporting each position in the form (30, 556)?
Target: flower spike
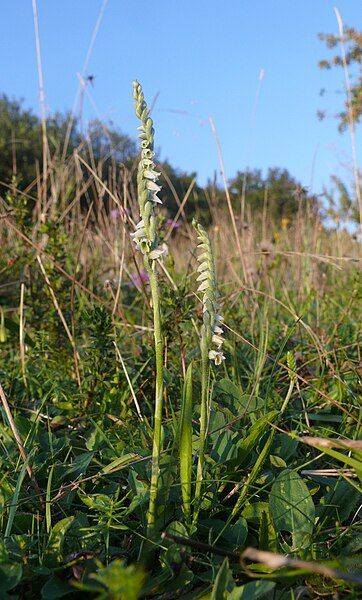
(211, 332)
(145, 236)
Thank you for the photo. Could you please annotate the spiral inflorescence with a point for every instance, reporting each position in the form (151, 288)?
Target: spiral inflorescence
(212, 332)
(145, 235)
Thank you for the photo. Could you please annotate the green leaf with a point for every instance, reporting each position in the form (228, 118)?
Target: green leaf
(14, 328)
(120, 581)
(292, 508)
(246, 445)
(235, 399)
(223, 449)
(98, 502)
(14, 501)
(80, 465)
(121, 462)
(174, 553)
(219, 591)
(276, 461)
(233, 536)
(185, 443)
(284, 446)
(254, 512)
(227, 387)
(10, 575)
(236, 533)
(264, 531)
(252, 590)
(53, 552)
(55, 588)
(334, 505)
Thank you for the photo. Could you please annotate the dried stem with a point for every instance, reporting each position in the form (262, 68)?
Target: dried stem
(19, 442)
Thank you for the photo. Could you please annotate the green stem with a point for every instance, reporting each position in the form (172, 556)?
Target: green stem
(157, 431)
(205, 369)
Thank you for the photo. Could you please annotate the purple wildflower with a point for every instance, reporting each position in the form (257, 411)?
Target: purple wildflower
(118, 213)
(172, 223)
(139, 279)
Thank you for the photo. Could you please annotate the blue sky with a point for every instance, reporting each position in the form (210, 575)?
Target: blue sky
(203, 57)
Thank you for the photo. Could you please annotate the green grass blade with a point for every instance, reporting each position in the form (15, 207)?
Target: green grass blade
(185, 444)
(14, 500)
(48, 507)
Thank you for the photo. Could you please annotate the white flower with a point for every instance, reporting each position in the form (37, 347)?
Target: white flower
(147, 163)
(203, 286)
(203, 276)
(217, 340)
(216, 356)
(156, 253)
(152, 186)
(143, 245)
(203, 267)
(138, 234)
(156, 199)
(151, 174)
(140, 238)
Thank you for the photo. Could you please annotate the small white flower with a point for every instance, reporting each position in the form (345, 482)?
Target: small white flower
(203, 286)
(157, 253)
(156, 199)
(151, 174)
(140, 238)
(143, 245)
(139, 233)
(164, 247)
(203, 267)
(204, 275)
(216, 356)
(146, 163)
(152, 186)
(217, 340)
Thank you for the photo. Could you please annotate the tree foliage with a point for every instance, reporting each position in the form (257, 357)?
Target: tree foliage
(107, 147)
(353, 45)
(279, 189)
(21, 142)
(341, 203)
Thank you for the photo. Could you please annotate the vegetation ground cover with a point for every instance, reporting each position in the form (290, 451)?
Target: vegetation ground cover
(251, 485)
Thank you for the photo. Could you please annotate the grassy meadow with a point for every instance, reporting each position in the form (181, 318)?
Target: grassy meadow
(180, 401)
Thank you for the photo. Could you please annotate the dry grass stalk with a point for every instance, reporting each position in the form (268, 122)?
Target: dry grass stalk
(19, 442)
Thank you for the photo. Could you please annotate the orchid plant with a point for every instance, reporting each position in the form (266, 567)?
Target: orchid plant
(211, 339)
(146, 240)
